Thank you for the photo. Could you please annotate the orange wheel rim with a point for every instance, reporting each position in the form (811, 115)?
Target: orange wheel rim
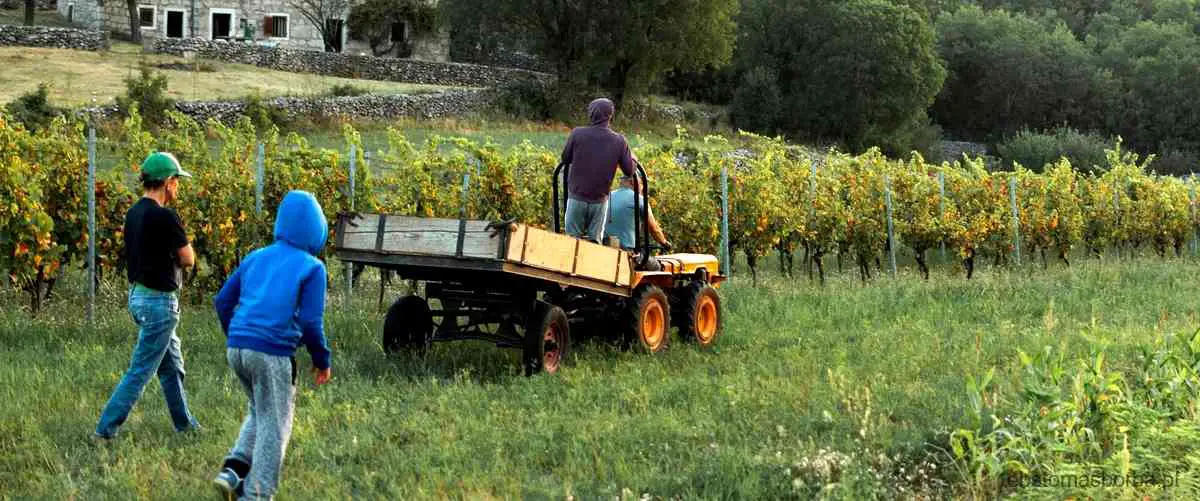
(653, 325)
(552, 353)
(706, 320)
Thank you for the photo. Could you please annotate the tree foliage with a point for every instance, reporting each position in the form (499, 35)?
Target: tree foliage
(860, 72)
(1008, 71)
(622, 46)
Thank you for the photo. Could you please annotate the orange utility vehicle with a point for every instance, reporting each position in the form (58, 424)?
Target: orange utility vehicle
(523, 287)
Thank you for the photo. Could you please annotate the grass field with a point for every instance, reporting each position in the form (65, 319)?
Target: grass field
(78, 77)
(868, 378)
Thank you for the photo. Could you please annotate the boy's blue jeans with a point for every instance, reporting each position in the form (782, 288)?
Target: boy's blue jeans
(157, 352)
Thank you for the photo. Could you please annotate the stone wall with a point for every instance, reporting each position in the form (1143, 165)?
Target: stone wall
(434, 105)
(345, 65)
(86, 13)
(58, 38)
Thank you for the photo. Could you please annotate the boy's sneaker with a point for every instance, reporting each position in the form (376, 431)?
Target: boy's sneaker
(227, 483)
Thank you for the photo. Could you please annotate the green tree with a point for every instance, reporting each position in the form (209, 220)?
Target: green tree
(1007, 71)
(623, 46)
(1158, 66)
(757, 102)
(862, 72)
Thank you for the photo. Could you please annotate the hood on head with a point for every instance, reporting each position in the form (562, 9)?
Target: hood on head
(600, 111)
(301, 223)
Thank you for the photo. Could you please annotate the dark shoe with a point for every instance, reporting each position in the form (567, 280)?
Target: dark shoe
(227, 483)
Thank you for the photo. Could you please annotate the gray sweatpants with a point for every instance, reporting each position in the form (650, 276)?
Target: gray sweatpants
(270, 382)
(586, 220)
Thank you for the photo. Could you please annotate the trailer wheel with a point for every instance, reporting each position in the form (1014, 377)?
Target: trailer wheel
(547, 339)
(408, 326)
(699, 318)
(648, 325)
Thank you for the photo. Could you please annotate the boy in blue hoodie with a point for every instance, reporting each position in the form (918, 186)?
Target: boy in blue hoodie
(274, 302)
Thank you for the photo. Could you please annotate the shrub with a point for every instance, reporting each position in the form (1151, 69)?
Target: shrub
(1034, 150)
(347, 90)
(757, 101)
(33, 109)
(526, 98)
(263, 116)
(1176, 162)
(148, 91)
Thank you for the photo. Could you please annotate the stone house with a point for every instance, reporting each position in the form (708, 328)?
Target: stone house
(265, 22)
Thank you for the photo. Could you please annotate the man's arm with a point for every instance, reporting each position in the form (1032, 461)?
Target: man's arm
(657, 232)
(569, 148)
(626, 161)
(185, 256)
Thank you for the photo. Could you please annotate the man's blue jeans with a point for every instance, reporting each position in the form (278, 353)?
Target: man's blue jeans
(586, 220)
(157, 351)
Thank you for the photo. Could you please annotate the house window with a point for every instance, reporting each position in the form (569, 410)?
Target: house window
(175, 23)
(275, 26)
(146, 16)
(220, 24)
(399, 31)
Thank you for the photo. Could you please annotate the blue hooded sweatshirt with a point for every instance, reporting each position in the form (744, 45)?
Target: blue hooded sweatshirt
(275, 300)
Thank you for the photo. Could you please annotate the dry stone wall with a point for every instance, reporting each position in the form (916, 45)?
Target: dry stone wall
(432, 105)
(57, 38)
(346, 65)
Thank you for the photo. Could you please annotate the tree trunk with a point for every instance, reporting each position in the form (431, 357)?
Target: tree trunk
(1045, 265)
(752, 263)
(30, 7)
(864, 268)
(920, 255)
(135, 24)
(820, 266)
(969, 264)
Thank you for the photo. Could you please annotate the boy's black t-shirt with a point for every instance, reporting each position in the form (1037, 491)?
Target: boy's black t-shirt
(153, 236)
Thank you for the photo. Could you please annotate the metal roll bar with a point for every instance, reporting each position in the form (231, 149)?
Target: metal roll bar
(641, 220)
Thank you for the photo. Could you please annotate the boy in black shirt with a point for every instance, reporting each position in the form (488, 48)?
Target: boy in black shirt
(157, 249)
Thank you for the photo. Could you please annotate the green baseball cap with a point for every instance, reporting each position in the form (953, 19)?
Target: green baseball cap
(160, 166)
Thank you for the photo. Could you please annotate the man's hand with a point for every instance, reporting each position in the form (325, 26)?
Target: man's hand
(321, 376)
(666, 245)
(185, 256)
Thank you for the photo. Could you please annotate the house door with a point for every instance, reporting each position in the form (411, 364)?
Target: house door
(333, 35)
(174, 24)
(222, 25)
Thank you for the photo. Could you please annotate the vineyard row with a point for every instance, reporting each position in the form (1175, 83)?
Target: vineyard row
(781, 198)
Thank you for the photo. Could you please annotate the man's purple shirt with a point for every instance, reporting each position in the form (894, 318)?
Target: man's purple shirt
(594, 152)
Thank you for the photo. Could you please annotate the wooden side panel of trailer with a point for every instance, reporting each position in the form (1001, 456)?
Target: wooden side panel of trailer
(522, 249)
(419, 236)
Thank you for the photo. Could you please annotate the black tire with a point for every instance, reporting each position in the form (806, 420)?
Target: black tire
(547, 339)
(645, 329)
(408, 326)
(699, 315)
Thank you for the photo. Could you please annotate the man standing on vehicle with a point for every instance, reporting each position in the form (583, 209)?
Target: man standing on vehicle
(624, 205)
(593, 153)
(157, 249)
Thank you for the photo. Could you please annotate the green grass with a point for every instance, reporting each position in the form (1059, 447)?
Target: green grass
(801, 370)
(84, 77)
(503, 132)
